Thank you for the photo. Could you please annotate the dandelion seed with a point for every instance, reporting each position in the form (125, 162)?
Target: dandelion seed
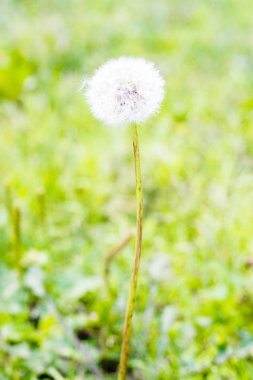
(126, 90)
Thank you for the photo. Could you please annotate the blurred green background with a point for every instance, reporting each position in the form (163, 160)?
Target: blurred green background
(67, 193)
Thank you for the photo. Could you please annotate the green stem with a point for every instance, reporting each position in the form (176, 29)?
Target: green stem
(41, 206)
(134, 278)
(17, 235)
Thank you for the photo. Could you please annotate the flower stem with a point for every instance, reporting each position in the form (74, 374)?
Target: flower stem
(41, 206)
(134, 278)
(16, 220)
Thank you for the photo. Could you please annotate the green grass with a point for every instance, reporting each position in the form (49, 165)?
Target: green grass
(194, 324)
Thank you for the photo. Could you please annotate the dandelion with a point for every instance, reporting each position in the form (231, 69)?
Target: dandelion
(127, 91)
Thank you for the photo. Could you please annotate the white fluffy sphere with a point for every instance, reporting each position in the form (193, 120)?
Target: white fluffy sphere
(125, 90)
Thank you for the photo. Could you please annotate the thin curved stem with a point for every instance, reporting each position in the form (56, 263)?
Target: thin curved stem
(134, 278)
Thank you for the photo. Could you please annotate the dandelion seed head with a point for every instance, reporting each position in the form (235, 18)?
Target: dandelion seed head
(125, 90)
